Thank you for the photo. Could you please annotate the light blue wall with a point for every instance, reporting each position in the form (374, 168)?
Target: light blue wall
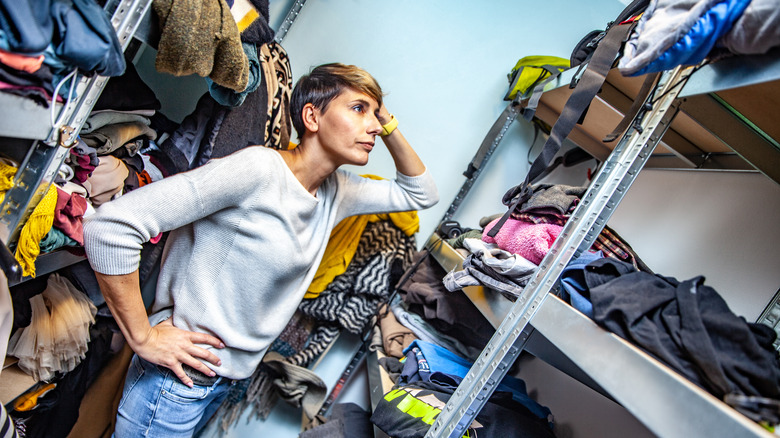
(443, 65)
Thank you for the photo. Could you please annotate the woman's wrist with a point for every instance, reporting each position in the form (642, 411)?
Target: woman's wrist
(389, 126)
(384, 116)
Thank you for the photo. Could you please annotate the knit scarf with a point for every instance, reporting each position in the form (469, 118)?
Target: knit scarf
(352, 298)
(7, 173)
(36, 227)
(278, 76)
(29, 245)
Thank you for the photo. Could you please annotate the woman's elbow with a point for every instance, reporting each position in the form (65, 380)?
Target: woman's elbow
(431, 200)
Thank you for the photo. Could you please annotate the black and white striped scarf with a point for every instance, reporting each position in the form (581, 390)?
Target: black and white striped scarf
(352, 298)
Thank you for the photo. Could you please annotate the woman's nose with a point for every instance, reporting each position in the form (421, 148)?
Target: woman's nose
(374, 128)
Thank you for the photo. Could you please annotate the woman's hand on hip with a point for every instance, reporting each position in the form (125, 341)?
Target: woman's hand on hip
(171, 347)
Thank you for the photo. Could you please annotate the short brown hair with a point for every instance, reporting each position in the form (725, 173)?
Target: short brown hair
(324, 83)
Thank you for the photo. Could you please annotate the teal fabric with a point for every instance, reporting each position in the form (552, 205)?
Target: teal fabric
(55, 239)
(228, 97)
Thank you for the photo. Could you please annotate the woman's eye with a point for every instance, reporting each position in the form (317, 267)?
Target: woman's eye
(358, 108)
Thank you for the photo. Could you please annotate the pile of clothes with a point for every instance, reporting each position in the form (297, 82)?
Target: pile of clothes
(126, 142)
(507, 261)
(674, 32)
(684, 324)
(43, 41)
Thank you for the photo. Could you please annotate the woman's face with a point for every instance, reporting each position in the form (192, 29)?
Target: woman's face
(349, 126)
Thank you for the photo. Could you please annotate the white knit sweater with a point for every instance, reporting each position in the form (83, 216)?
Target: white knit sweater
(245, 243)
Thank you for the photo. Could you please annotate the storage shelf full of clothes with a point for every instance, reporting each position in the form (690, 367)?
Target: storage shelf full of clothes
(567, 339)
(708, 133)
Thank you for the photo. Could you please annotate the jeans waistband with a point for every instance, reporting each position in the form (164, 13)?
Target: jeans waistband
(198, 377)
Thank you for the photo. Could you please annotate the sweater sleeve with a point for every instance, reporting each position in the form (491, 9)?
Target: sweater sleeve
(113, 236)
(368, 196)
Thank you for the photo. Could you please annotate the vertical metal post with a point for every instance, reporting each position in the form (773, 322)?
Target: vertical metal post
(292, 14)
(507, 117)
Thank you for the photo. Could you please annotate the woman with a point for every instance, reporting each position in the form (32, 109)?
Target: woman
(247, 234)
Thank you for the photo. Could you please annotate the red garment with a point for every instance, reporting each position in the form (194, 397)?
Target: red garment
(83, 166)
(68, 214)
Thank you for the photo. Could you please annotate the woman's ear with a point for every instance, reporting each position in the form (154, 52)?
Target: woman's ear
(311, 117)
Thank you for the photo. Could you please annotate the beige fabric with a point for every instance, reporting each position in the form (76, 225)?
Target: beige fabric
(395, 337)
(107, 180)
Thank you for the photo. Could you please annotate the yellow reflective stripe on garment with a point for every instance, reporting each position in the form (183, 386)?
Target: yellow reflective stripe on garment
(392, 395)
(418, 408)
(414, 407)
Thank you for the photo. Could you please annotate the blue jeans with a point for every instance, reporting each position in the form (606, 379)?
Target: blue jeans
(156, 404)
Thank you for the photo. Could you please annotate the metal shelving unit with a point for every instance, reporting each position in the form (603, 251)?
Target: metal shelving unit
(651, 391)
(668, 404)
(51, 140)
(725, 121)
(39, 139)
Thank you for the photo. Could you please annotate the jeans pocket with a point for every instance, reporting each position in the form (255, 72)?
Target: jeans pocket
(181, 393)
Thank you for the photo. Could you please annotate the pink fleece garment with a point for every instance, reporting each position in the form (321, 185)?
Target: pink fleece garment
(529, 240)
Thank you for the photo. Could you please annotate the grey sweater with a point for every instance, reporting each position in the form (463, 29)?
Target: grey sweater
(246, 239)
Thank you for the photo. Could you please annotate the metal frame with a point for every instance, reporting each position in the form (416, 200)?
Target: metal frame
(738, 133)
(494, 307)
(597, 205)
(771, 317)
(37, 170)
(668, 404)
(292, 14)
(509, 115)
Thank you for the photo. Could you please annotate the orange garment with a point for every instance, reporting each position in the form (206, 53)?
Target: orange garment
(143, 178)
(29, 400)
(29, 64)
